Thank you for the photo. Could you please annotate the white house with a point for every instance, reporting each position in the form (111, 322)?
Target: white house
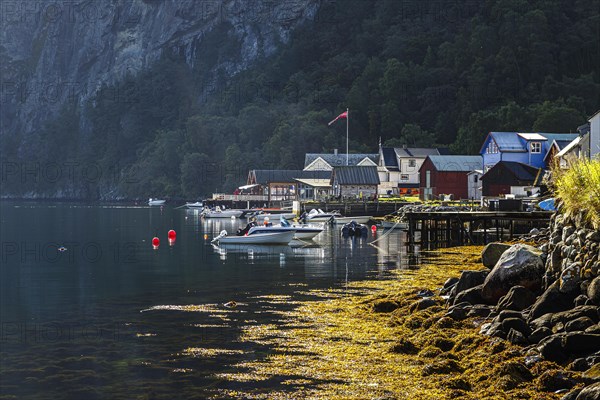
(474, 184)
(398, 168)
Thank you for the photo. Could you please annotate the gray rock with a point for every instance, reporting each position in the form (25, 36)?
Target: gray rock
(593, 329)
(578, 324)
(593, 291)
(593, 236)
(469, 279)
(480, 310)
(491, 253)
(539, 334)
(520, 265)
(551, 348)
(570, 278)
(572, 395)
(516, 337)
(567, 232)
(581, 300)
(505, 314)
(552, 301)
(471, 296)
(591, 392)
(577, 312)
(516, 324)
(544, 321)
(448, 285)
(581, 343)
(518, 298)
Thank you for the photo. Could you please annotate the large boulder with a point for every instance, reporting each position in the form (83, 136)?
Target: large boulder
(491, 253)
(593, 291)
(520, 265)
(591, 392)
(552, 301)
(469, 279)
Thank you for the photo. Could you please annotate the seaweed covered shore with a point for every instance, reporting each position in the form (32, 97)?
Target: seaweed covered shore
(395, 339)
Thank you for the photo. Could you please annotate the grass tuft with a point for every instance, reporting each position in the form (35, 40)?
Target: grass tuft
(578, 189)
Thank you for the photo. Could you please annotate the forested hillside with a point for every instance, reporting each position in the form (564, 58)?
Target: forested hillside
(419, 73)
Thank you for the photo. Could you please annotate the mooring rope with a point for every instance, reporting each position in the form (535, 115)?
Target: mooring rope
(386, 233)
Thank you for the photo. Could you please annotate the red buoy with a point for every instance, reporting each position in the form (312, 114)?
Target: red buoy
(172, 235)
(373, 229)
(155, 242)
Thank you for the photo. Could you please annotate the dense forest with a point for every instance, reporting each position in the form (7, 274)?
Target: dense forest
(420, 73)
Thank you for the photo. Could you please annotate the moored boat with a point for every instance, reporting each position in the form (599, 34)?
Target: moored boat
(220, 213)
(394, 225)
(363, 219)
(354, 229)
(195, 205)
(320, 216)
(301, 231)
(263, 238)
(156, 202)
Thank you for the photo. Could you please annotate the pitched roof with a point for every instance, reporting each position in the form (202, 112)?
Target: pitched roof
(402, 152)
(390, 161)
(339, 159)
(516, 141)
(520, 171)
(266, 176)
(356, 175)
(456, 163)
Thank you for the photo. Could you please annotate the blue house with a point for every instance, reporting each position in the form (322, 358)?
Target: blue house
(526, 148)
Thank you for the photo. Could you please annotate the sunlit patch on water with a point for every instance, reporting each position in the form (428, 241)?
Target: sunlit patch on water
(209, 352)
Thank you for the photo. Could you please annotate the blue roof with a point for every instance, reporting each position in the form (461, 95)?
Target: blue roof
(456, 163)
(512, 142)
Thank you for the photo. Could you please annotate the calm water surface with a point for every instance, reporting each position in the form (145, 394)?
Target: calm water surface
(89, 310)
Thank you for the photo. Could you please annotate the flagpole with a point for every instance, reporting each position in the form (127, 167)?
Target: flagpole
(347, 123)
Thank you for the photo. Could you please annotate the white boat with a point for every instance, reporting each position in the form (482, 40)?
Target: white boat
(156, 202)
(263, 238)
(219, 213)
(363, 219)
(195, 205)
(301, 231)
(394, 225)
(261, 217)
(321, 216)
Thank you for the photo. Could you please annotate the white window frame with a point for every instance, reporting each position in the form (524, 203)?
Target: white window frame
(412, 163)
(535, 147)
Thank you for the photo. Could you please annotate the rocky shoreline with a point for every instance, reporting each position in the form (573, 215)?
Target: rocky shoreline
(544, 298)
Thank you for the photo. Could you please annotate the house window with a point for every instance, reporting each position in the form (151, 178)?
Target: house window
(536, 147)
(492, 148)
(475, 178)
(403, 177)
(412, 163)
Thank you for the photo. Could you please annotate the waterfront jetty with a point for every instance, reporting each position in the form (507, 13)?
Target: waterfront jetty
(471, 227)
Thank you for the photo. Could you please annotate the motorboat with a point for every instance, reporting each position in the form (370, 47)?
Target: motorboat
(320, 216)
(354, 229)
(220, 213)
(156, 202)
(263, 238)
(195, 205)
(261, 216)
(301, 231)
(363, 219)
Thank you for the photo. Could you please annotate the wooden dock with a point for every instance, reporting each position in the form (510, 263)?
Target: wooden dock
(452, 228)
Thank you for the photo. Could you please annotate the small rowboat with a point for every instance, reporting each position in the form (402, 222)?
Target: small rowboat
(195, 205)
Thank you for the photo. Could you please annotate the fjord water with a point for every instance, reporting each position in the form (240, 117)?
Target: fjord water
(89, 310)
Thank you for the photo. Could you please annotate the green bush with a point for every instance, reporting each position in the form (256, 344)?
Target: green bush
(578, 189)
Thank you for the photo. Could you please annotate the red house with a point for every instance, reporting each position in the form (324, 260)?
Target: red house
(447, 175)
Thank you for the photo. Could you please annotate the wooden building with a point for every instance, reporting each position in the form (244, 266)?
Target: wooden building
(509, 177)
(355, 182)
(280, 185)
(447, 175)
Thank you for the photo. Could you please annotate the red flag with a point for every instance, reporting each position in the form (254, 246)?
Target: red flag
(342, 115)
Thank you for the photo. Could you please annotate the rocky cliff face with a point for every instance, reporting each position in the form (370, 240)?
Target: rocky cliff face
(53, 53)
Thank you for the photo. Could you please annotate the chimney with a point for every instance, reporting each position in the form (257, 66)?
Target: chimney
(404, 146)
(335, 151)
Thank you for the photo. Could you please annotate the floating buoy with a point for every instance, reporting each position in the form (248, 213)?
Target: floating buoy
(155, 242)
(373, 229)
(172, 234)
(205, 236)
